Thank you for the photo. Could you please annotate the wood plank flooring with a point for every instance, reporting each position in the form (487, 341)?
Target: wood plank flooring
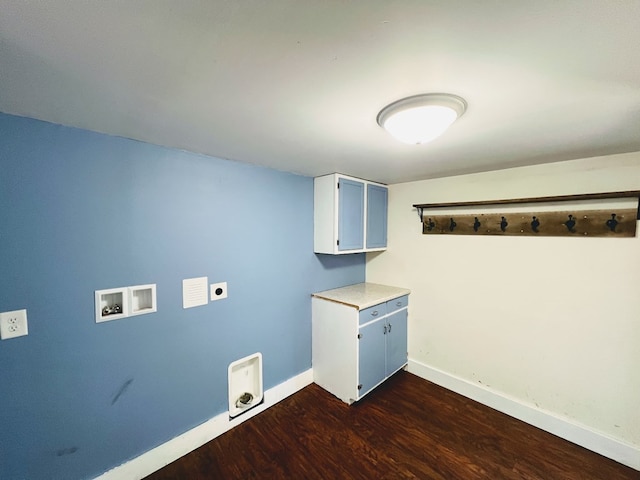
(408, 428)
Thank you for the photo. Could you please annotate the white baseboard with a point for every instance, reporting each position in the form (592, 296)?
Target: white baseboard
(579, 434)
(164, 454)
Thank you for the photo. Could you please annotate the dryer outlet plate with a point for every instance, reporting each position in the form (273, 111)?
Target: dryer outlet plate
(218, 291)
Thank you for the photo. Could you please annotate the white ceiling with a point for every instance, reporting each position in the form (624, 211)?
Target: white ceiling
(296, 84)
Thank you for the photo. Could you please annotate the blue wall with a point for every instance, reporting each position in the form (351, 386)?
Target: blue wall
(81, 211)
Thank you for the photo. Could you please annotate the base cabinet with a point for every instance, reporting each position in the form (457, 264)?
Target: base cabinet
(354, 350)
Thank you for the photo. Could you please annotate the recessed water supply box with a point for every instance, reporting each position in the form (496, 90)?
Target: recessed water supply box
(245, 384)
(142, 299)
(112, 304)
(122, 302)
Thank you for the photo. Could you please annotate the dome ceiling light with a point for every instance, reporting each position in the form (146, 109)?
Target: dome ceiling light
(421, 118)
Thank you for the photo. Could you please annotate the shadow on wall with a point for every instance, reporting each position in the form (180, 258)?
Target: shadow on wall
(353, 263)
(330, 262)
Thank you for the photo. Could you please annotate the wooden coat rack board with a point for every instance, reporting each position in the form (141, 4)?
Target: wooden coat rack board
(616, 222)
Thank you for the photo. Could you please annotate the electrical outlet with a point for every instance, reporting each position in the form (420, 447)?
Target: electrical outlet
(13, 324)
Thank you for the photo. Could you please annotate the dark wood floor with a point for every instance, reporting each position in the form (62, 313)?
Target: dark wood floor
(407, 428)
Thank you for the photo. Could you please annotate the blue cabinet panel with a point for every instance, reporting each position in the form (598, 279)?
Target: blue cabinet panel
(396, 341)
(371, 362)
(350, 215)
(377, 198)
(397, 303)
(371, 313)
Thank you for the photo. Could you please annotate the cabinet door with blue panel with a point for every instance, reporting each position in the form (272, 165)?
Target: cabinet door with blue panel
(377, 203)
(371, 359)
(350, 214)
(396, 324)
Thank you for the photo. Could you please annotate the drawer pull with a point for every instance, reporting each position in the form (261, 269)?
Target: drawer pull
(374, 313)
(398, 304)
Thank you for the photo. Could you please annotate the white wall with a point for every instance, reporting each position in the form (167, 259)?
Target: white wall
(550, 322)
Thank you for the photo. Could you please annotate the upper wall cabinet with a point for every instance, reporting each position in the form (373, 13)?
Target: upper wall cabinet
(350, 215)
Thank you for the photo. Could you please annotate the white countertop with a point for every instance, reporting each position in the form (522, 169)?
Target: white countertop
(363, 295)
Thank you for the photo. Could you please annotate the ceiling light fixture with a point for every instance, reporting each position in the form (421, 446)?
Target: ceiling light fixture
(421, 118)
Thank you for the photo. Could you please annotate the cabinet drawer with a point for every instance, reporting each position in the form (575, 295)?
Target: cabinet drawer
(397, 303)
(372, 313)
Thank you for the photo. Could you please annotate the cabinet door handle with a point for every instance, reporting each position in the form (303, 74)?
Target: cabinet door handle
(389, 328)
(385, 330)
(374, 313)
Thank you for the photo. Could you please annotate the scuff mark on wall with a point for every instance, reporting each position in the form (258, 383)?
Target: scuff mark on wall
(121, 391)
(66, 451)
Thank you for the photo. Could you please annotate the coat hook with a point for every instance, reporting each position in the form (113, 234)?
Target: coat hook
(429, 225)
(570, 224)
(476, 224)
(535, 224)
(452, 225)
(612, 223)
(504, 224)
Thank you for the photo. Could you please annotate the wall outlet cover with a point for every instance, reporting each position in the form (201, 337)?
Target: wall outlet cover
(218, 291)
(13, 324)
